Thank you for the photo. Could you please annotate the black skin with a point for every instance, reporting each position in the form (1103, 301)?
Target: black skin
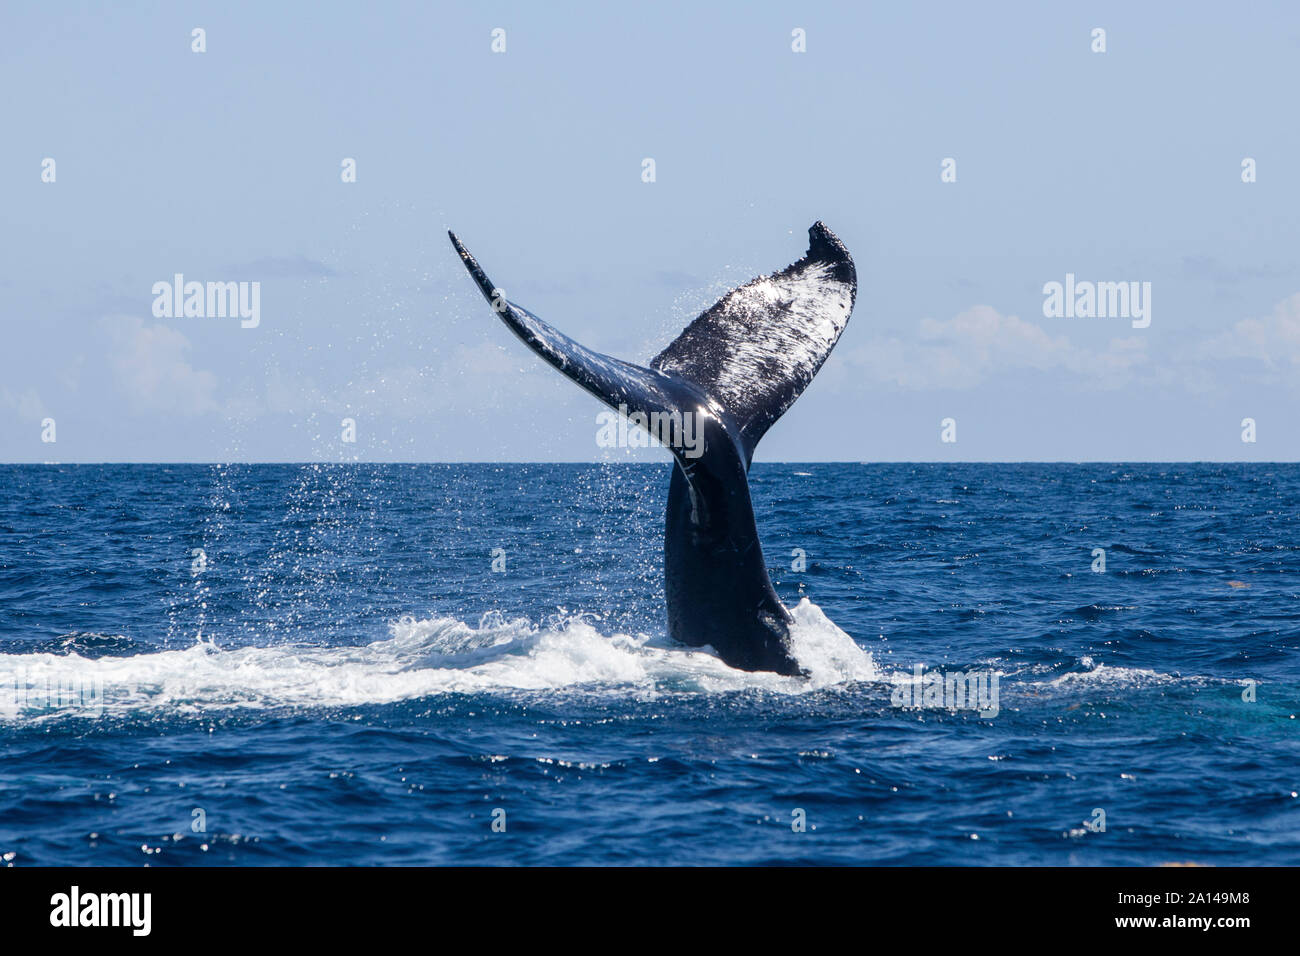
(716, 582)
(715, 579)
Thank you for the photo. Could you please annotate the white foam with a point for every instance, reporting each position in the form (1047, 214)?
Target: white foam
(829, 654)
(420, 658)
(1107, 674)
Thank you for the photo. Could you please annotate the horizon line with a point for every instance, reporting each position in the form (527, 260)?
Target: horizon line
(838, 461)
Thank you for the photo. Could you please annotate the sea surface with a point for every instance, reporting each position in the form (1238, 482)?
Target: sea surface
(467, 664)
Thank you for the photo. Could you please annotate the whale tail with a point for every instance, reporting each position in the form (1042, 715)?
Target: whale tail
(758, 347)
(752, 353)
(735, 370)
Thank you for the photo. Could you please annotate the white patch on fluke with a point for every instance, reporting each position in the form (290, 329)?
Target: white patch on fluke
(763, 338)
(813, 309)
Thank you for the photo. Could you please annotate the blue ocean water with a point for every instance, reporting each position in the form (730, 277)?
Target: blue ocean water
(366, 664)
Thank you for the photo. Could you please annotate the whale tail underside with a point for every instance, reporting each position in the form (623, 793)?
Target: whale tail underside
(757, 348)
(753, 352)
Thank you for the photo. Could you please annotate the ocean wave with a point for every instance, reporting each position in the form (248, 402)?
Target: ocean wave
(420, 658)
(1095, 674)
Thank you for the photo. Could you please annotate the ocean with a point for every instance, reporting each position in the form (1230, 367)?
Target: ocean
(1090, 664)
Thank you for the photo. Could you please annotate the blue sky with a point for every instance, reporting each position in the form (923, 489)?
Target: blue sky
(225, 166)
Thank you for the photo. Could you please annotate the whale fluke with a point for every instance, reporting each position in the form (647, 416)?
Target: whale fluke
(735, 369)
(757, 348)
(611, 380)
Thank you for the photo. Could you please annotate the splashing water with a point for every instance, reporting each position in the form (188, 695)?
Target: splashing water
(421, 658)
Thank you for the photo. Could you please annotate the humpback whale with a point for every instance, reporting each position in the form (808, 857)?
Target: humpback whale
(735, 369)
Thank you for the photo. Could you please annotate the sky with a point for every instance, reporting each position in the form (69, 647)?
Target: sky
(228, 165)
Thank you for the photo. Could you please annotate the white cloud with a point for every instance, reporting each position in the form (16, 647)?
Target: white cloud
(25, 405)
(150, 366)
(1273, 340)
(981, 343)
